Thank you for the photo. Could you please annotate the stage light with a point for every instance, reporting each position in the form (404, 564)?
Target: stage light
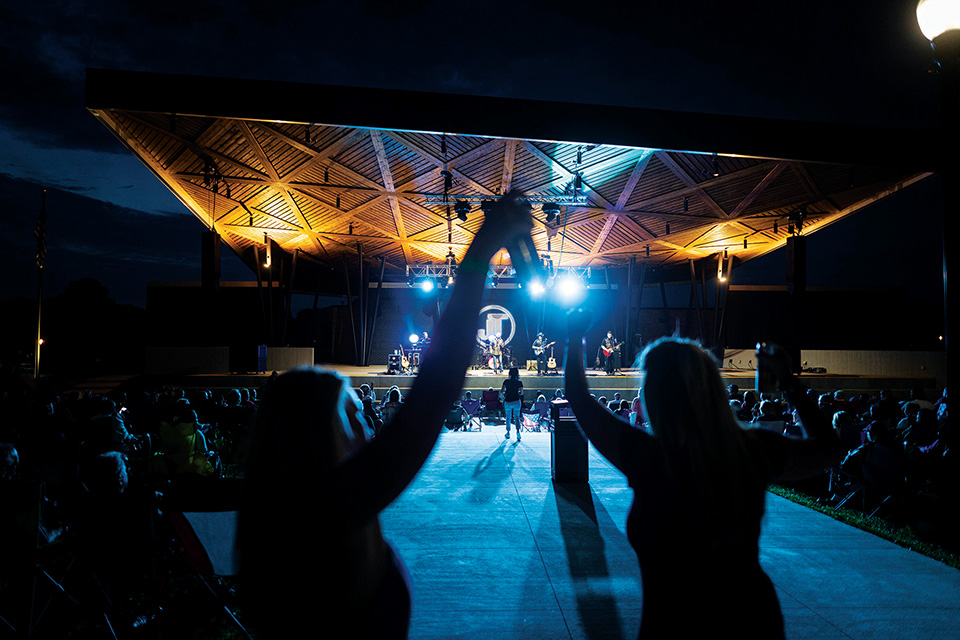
(450, 281)
(571, 289)
(427, 285)
(414, 338)
(551, 210)
(495, 282)
(536, 289)
(462, 209)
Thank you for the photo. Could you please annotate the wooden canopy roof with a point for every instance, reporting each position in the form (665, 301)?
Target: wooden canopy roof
(319, 169)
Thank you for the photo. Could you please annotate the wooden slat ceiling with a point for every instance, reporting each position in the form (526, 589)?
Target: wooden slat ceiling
(323, 188)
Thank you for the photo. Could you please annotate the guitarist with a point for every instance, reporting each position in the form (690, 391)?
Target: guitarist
(611, 350)
(540, 350)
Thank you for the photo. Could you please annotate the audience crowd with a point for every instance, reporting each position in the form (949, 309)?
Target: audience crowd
(105, 461)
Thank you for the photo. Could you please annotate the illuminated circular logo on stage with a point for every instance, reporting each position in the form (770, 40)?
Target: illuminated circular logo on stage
(491, 321)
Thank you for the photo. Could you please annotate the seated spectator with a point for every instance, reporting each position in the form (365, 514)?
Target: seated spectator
(923, 431)
(373, 416)
(624, 410)
(919, 396)
(367, 392)
(746, 409)
(770, 417)
(851, 436)
(911, 414)
(183, 447)
(106, 430)
(826, 406)
(392, 405)
(614, 405)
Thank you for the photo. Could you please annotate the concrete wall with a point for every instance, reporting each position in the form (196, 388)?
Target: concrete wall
(877, 364)
(913, 364)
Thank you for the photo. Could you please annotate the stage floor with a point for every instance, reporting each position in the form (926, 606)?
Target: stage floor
(626, 383)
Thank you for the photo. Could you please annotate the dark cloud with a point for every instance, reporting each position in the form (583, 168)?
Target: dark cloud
(122, 248)
(852, 61)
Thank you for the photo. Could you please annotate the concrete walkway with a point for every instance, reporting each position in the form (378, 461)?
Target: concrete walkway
(497, 550)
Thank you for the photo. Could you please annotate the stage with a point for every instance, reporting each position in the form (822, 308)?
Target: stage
(626, 383)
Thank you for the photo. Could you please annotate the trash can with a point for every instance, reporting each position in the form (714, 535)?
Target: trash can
(568, 447)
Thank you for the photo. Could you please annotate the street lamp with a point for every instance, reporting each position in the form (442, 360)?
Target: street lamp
(936, 17)
(939, 21)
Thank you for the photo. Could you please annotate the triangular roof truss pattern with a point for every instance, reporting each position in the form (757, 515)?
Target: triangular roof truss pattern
(322, 187)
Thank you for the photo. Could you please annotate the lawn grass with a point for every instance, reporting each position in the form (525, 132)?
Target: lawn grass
(905, 535)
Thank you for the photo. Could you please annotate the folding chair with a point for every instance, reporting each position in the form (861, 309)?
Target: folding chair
(885, 474)
(206, 544)
(492, 404)
(455, 419)
(542, 412)
(472, 409)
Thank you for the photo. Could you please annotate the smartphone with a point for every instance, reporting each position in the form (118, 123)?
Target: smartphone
(766, 380)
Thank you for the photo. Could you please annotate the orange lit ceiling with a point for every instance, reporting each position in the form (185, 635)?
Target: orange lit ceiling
(319, 169)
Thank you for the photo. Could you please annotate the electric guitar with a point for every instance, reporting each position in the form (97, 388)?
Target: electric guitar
(609, 352)
(539, 350)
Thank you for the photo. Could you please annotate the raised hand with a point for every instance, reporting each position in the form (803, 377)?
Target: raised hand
(510, 219)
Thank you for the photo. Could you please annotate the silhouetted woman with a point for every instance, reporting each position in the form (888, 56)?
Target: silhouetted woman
(699, 483)
(313, 560)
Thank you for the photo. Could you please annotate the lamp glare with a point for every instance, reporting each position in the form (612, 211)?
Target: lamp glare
(936, 17)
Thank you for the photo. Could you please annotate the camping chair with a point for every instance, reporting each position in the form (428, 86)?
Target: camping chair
(472, 409)
(492, 404)
(204, 540)
(455, 419)
(540, 412)
(885, 474)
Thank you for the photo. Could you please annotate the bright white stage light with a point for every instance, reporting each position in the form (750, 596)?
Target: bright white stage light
(570, 289)
(427, 285)
(536, 289)
(414, 338)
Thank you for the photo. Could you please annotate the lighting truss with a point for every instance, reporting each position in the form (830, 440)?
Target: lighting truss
(578, 200)
(580, 273)
(445, 270)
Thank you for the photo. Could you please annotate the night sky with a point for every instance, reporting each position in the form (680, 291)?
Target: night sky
(851, 62)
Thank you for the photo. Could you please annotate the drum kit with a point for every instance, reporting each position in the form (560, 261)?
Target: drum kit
(488, 360)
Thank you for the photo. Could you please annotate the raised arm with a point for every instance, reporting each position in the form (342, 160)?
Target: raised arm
(396, 455)
(604, 429)
(821, 448)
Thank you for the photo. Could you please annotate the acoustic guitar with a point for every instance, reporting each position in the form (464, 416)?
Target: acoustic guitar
(539, 350)
(551, 361)
(404, 361)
